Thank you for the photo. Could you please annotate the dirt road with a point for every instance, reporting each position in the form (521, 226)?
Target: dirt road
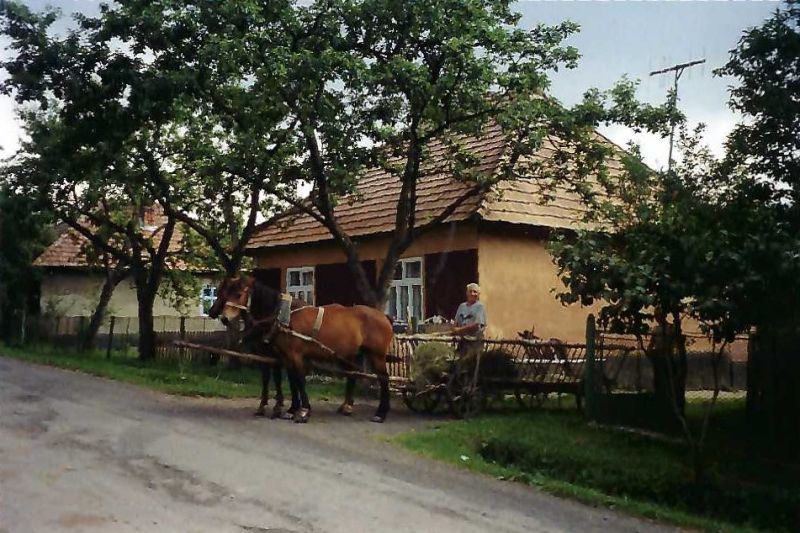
(79, 453)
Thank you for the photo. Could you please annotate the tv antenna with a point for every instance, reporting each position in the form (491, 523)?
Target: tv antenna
(678, 70)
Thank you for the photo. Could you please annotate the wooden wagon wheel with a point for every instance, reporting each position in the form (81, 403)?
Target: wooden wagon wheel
(424, 401)
(464, 397)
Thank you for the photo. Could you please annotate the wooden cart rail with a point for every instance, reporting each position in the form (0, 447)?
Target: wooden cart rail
(531, 370)
(272, 361)
(532, 359)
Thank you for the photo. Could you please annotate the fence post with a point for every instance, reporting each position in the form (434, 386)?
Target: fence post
(589, 379)
(81, 333)
(110, 337)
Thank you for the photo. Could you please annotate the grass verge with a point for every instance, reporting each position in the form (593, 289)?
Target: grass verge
(556, 450)
(178, 377)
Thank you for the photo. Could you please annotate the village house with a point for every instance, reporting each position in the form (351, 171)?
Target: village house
(71, 284)
(497, 239)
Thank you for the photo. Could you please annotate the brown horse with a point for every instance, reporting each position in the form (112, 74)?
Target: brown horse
(336, 336)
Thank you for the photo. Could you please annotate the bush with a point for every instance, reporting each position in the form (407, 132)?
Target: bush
(649, 472)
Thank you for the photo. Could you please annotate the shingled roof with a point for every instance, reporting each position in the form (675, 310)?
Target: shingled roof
(69, 249)
(371, 210)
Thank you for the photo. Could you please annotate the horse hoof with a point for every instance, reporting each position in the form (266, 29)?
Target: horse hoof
(345, 409)
(260, 412)
(301, 416)
(377, 419)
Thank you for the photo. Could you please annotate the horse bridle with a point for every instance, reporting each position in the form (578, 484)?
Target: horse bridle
(272, 321)
(245, 307)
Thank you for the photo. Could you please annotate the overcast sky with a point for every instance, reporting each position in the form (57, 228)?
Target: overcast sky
(617, 38)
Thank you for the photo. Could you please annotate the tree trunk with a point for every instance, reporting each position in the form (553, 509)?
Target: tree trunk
(667, 354)
(112, 280)
(147, 336)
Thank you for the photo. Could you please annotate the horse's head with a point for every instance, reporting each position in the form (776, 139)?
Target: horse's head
(233, 297)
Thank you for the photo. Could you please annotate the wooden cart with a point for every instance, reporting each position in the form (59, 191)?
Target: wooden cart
(531, 370)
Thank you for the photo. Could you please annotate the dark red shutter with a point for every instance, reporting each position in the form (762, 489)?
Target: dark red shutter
(269, 276)
(336, 284)
(446, 277)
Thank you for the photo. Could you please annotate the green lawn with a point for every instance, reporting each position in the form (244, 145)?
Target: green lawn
(172, 376)
(557, 450)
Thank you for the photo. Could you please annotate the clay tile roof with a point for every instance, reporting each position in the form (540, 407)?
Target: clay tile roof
(371, 210)
(69, 248)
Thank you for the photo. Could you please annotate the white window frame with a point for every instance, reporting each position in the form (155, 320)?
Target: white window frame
(207, 299)
(306, 290)
(407, 283)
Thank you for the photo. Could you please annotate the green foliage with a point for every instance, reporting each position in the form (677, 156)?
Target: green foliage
(766, 65)
(25, 230)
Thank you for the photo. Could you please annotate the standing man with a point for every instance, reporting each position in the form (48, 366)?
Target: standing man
(471, 315)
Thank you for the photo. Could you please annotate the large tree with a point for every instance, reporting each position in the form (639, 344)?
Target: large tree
(765, 147)
(229, 135)
(382, 84)
(90, 147)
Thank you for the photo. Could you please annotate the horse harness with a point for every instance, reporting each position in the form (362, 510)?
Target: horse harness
(278, 326)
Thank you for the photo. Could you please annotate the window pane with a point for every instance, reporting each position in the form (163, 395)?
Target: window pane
(414, 269)
(403, 303)
(398, 271)
(207, 292)
(417, 301)
(308, 278)
(294, 278)
(309, 297)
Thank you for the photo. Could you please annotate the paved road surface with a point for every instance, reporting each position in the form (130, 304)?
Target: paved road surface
(79, 453)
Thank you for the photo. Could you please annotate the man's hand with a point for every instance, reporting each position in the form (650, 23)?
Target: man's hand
(469, 329)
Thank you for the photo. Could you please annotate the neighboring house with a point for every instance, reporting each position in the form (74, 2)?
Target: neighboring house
(71, 287)
(496, 239)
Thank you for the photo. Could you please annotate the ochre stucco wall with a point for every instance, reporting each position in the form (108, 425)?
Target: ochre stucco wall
(515, 271)
(517, 276)
(76, 294)
(447, 238)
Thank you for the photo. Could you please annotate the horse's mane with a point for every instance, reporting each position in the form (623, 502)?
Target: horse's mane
(264, 299)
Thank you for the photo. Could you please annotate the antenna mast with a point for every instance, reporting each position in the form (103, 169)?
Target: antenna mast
(678, 70)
